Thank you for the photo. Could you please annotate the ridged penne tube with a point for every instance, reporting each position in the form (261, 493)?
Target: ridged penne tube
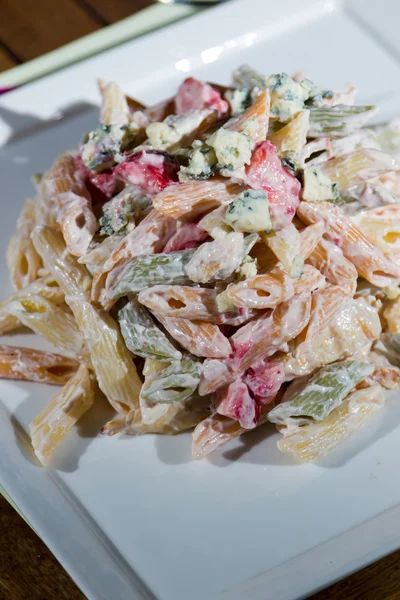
(269, 290)
(314, 441)
(198, 337)
(35, 365)
(22, 259)
(133, 104)
(369, 261)
(114, 109)
(183, 301)
(52, 322)
(337, 329)
(324, 305)
(257, 340)
(330, 261)
(285, 244)
(73, 278)
(149, 236)
(187, 200)
(51, 426)
(111, 360)
(391, 313)
(46, 207)
(74, 210)
(97, 256)
(215, 431)
(254, 121)
(359, 166)
(382, 226)
(292, 137)
(46, 287)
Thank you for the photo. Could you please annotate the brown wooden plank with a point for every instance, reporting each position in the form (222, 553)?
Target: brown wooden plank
(28, 570)
(31, 28)
(379, 581)
(6, 60)
(115, 10)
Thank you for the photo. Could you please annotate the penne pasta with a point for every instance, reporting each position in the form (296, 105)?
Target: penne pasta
(369, 261)
(111, 360)
(183, 302)
(292, 137)
(269, 290)
(198, 337)
(22, 259)
(51, 426)
(114, 109)
(191, 199)
(46, 287)
(254, 121)
(285, 244)
(148, 237)
(52, 322)
(35, 365)
(315, 440)
(225, 256)
(257, 340)
(382, 226)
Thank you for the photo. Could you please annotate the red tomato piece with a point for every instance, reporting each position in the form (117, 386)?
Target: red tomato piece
(194, 94)
(235, 402)
(152, 170)
(266, 172)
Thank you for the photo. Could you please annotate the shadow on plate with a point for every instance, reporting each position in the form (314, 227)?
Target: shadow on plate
(74, 446)
(27, 124)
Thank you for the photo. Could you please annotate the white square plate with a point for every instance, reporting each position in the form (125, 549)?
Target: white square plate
(136, 518)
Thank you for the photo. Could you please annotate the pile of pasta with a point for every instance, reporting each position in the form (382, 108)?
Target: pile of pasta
(228, 257)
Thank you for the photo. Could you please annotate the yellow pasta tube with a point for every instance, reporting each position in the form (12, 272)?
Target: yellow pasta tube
(114, 109)
(51, 426)
(22, 259)
(254, 121)
(52, 322)
(314, 441)
(111, 360)
(292, 137)
(35, 365)
(46, 287)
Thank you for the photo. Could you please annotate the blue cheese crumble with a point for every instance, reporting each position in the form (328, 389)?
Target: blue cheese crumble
(172, 131)
(239, 100)
(105, 146)
(202, 161)
(233, 149)
(288, 97)
(317, 186)
(249, 212)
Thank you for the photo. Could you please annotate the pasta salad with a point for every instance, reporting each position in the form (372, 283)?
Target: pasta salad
(227, 257)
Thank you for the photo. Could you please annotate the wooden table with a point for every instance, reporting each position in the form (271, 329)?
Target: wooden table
(28, 570)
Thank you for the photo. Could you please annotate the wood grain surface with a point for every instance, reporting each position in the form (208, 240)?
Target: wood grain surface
(28, 570)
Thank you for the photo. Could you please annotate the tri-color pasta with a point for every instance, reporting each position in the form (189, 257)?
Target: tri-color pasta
(227, 257)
